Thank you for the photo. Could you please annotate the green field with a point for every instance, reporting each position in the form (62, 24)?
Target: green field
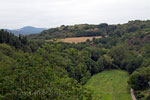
(110, 85)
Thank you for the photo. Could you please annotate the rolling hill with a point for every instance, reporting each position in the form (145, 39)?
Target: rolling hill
(26, 30)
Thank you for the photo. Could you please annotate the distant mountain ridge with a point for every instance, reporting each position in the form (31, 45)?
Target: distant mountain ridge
(26, 30)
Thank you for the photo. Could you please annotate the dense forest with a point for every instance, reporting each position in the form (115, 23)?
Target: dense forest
(33, 69)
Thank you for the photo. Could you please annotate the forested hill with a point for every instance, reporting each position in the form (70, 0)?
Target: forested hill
(92, 30)
(26, 30)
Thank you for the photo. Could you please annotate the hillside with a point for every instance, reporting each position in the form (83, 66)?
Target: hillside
(110, 85)
(26, 30)
(85, 30)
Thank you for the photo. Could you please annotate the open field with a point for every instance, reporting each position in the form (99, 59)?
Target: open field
(110, 85)
(76, 39)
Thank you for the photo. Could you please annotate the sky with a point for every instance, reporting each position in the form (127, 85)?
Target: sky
(53, 13)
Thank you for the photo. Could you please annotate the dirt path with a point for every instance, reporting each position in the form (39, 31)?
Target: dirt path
(132, 94)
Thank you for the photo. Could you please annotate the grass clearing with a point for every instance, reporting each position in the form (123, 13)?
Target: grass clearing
(110, 85)
(76, 39)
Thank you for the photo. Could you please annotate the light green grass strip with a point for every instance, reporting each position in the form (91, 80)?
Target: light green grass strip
(110, 85)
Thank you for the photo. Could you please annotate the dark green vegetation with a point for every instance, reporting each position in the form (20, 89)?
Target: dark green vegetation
(140, 81)
(110, 85)
(39, 70)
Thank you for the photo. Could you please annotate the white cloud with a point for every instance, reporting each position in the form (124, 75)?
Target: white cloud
(52, 13)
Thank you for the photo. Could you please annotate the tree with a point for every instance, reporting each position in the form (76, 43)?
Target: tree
(118, 53)
(108, 62)
(140, 78)
(133, 64)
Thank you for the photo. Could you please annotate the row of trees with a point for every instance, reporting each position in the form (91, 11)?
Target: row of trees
(11, 39)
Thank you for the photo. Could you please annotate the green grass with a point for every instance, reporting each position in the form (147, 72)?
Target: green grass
(110, 85)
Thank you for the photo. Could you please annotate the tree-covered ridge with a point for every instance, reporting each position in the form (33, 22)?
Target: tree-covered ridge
(92, 30)
(11, 39)
(19, 42)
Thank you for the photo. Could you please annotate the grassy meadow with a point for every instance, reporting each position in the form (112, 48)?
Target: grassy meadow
(110, 85)
(76, 39)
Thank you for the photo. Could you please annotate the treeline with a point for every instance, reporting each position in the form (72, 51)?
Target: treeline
(11, 39)
(19, 42)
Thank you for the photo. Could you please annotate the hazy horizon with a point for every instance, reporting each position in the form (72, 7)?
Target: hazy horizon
(53, 13)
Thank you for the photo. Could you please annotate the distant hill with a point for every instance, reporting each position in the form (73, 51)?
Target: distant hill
(26, 30)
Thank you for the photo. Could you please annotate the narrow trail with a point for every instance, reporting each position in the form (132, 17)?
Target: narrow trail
(132, 94)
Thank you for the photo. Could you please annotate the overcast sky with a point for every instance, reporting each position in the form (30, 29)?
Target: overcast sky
(53, 13)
